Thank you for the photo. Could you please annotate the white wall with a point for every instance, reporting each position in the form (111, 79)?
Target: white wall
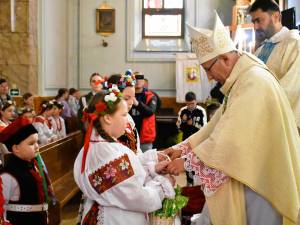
(295, 3)
(53, 46)
(112, 59)
(69, 52)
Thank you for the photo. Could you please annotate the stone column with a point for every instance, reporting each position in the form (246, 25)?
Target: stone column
(18, 47)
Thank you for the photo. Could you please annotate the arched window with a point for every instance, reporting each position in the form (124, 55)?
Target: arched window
(163, 19)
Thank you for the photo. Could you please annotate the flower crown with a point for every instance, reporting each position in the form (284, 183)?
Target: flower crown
(47, 104)
(7, 104)
(23, 110)
(109, 99)
(127, 80)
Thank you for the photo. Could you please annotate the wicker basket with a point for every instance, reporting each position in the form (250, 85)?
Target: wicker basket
(156, 220)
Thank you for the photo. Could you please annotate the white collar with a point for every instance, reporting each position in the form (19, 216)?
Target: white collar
(279, 36)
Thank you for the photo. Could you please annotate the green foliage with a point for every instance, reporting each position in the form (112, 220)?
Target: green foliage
(172, 206)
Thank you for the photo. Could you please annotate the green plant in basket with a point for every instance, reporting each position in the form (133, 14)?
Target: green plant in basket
(171, 207)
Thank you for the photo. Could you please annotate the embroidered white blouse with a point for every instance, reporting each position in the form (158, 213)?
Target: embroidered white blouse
(58, 125)
(117, 180)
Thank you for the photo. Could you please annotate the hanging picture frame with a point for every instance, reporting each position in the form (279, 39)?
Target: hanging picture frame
(105, 21)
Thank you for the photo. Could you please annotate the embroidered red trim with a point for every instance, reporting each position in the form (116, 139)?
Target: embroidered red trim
(129, 139)
(111, 174)
(39, 119)
(58, 124)
(91, 216)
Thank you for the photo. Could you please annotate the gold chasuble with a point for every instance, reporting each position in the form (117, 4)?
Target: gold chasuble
(253, 139)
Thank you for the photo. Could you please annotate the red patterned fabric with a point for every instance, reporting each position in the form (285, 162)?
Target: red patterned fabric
(39, 182)
(91, 217)
(39, 119)
(209, 178)
(111, 174)
(129, 139)
(49, 123)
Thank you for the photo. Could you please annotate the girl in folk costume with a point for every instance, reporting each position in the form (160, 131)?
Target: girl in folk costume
(117, 188)
(6, 114)
(28, 113)
(24, 185)
(57, 122)
(126, 84)
(43, 124)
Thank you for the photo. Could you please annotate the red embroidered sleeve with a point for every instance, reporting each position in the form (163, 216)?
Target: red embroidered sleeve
(209, 178)
(111, 174)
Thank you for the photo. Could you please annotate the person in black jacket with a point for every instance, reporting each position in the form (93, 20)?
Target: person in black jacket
(143, 113)
(191, 117)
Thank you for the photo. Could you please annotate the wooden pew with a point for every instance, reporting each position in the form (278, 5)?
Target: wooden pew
(37, 101)
(170, 103)
(59, 157)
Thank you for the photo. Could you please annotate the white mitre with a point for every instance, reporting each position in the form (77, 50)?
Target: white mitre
(207, 44)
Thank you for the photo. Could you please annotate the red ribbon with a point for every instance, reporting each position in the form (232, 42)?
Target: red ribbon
(90, 117)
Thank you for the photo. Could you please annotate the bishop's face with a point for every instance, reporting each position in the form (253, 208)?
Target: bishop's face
(213, 71)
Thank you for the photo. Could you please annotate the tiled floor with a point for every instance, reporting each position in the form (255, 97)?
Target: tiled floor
(69, 212)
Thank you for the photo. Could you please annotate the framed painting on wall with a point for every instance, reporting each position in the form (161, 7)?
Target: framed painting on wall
(105, 21)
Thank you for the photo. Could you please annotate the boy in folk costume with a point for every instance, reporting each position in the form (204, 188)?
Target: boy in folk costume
(117, 188)
(43, 125)
(57, 122)
(247, 157)
(24, 186)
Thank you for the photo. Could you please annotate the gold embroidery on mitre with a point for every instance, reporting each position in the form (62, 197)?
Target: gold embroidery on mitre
(201, 46)
(220, 38)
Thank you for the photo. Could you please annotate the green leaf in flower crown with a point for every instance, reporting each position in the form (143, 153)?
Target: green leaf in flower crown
(110, 104)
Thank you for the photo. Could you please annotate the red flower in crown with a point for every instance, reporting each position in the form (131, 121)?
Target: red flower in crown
(100, 107)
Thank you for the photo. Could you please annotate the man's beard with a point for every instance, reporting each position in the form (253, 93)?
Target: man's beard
(261, 34)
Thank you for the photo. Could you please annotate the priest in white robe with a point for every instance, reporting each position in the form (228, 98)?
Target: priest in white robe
(280, 50)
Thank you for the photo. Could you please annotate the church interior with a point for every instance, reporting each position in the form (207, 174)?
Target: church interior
(52, 51)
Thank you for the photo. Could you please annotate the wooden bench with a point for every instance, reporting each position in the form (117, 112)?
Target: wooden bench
(37, 101)
(59, 157)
